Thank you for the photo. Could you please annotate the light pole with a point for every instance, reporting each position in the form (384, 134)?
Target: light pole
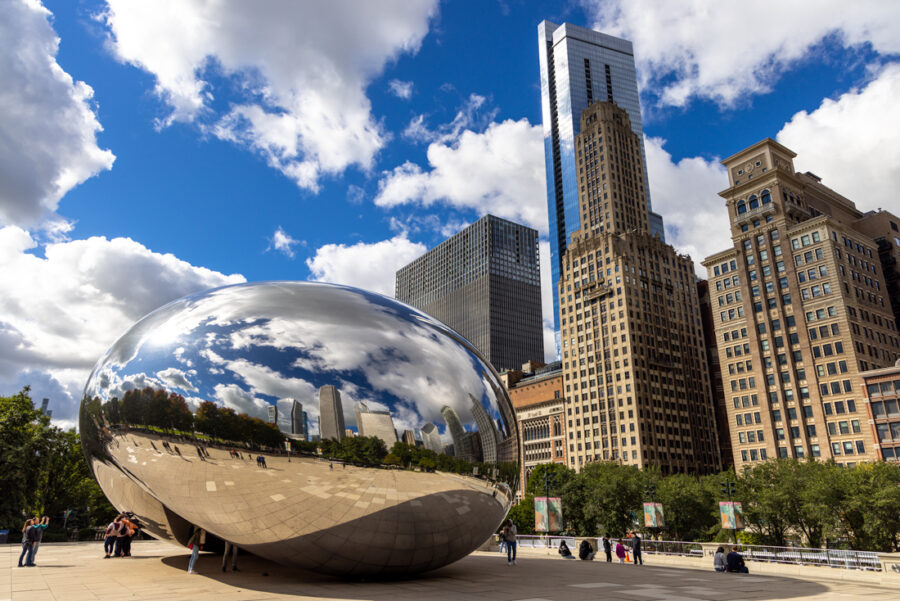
(728, 487)
(549, 480)
(650, 493)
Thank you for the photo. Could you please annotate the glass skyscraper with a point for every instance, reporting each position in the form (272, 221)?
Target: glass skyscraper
(580, 66)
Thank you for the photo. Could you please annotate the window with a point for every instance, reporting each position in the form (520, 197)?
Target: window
(741, 207)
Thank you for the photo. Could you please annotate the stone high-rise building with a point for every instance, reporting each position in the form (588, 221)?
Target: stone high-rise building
(801, 307)
(331, 414)
(536, 392)
(578, 67)
(882, 392)
(636, 380)
(485, 283)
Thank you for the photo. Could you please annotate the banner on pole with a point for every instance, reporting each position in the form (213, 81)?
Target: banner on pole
(548, 516)
(653, 515)
(732, 514)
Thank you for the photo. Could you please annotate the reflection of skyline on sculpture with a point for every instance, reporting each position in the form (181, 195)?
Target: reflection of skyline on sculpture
(340, 374)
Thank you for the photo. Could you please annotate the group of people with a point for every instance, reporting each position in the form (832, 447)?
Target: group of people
(195, 544)
(732, 562)
(261, 461)
(118, 536)
(32, 533)
(586, 551)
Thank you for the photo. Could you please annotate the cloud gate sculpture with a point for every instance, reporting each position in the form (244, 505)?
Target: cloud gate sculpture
(315, 425)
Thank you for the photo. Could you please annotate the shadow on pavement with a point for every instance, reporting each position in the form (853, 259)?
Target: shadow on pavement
(486, 576)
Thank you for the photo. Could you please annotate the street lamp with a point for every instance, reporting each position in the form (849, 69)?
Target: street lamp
(728, 488)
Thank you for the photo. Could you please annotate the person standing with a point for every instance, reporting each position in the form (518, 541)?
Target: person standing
(719, 563)
(131, 530)
(620, 551)
(195, 543)
(39, 526)
(27, 544)
(607, 547)
(509, 535)
(121, 536)
(636, 549)
(234, 553)
(109, 538)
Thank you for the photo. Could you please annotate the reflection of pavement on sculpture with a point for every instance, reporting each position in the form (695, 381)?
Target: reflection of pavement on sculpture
(304, 513)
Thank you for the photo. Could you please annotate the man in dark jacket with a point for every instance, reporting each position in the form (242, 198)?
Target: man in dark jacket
(636, 549)
(735, 562)
(607, 547)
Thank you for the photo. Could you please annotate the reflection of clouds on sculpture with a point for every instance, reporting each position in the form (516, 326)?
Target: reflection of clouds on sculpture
(252, 346)
(242, 401)
(176, 378)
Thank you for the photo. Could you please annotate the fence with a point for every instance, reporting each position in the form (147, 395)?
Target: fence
(832, 558)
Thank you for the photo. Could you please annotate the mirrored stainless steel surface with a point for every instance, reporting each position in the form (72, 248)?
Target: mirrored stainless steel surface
(388, 444)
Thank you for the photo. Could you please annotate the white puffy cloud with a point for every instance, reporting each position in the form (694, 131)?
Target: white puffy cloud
(283, 242)
(61, 311)
(367, 266)
(498, 171)
(296, 72)
(241, 401)
(717, 50)
(177, 378)
(47, 123)
(853, 142)
(401, 89)
(685, 193)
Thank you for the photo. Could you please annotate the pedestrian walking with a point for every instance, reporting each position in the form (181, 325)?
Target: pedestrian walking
(620, 551)
(636, 549)
(39, 526)
(27, 544)
(229, 546)
(200, 454)
(509, 534)
(195, 544)
(607, 547)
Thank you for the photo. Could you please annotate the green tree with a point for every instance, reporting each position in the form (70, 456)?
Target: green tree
(522, 515)
(22, 451)
(557, 474)
(687, 506)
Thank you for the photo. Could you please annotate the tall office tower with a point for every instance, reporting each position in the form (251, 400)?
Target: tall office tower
(884, 229)
(409, 437)
(486, 431)
(462, 445)
(431, 439)
(305, 422)
(800, 310)
(272, 414)
(580, 66)
(297, 418)
(331, 414)
(634, 366)
(485, 283)
(715, 373)
(375, 423)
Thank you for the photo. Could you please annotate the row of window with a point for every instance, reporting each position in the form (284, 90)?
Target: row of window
(754, 202)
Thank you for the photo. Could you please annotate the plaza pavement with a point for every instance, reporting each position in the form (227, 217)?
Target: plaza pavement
(78, 572)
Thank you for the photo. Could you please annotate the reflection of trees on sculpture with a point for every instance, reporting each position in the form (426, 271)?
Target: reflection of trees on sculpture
(226, 424)
(169, 412)
(410, 456)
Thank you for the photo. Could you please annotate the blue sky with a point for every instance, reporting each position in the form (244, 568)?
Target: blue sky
(166, 147)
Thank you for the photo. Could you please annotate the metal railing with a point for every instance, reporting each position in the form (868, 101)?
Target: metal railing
(833, 558)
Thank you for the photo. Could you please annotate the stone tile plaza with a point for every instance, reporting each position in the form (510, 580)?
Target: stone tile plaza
(77, 572)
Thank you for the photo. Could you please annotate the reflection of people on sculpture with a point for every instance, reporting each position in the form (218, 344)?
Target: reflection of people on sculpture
(229, 546)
